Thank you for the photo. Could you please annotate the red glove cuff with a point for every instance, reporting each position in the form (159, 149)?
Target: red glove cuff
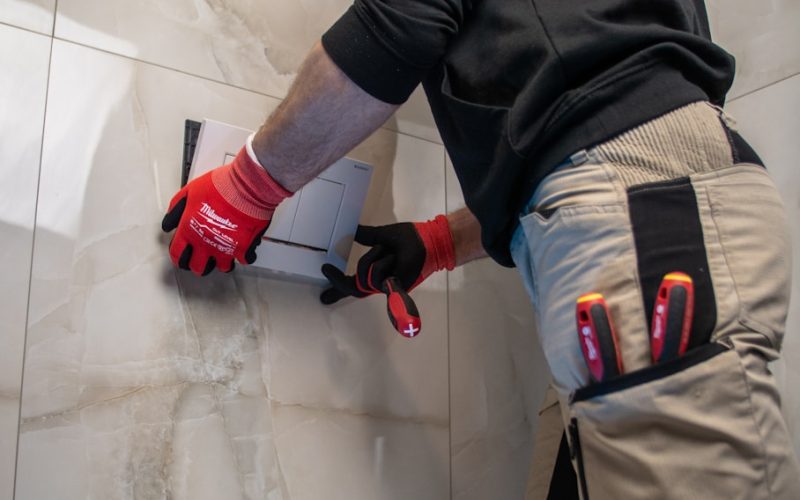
(438, 241)
(248, 187)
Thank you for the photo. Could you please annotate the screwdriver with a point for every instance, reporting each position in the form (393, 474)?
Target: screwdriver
(672, 317)
(597, 338)
(401, 308)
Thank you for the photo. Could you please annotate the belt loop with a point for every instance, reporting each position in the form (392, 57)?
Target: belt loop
(727, 120)
(579, 158)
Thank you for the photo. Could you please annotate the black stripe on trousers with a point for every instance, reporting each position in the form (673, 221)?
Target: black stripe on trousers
(669, 237)
(563, 481)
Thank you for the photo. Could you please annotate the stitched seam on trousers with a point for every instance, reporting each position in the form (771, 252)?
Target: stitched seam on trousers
(622, 197)
(749, 164)
(728, 270)
(637, 282)
(762, 440)
(721, 173)
(758, 327)
(616, 182)
(741, 318)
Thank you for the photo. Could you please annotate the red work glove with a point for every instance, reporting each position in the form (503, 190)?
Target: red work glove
(409, 252)
(222, 216)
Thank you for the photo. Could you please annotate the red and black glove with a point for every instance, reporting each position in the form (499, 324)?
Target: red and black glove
(408, 252)
(222, 215)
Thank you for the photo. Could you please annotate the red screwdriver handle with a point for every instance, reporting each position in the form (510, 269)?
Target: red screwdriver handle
(597, 337)
(402, 310)
(672, 317)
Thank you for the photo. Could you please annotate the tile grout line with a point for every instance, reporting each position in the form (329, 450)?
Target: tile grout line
(55, 19)
(23, 28)
(205, 78)
(157, 65)
(449, 389)
(30, 265)
(763, 87)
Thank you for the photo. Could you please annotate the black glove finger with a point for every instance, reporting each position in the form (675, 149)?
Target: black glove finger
(332, 296)
(345, 285)
(250, 255)
(211, 263)
(370, 235)
(342, 282)
(173, 217)
(186, 256)
(398, 237)
(381, 269)
(364, 267)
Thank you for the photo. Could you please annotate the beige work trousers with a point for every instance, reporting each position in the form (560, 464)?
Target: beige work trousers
(707, 425)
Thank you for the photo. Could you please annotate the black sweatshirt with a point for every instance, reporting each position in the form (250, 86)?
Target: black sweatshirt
(516, 86)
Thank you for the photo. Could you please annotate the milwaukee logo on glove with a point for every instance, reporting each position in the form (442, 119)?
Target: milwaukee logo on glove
(213, 236)
(213, 218)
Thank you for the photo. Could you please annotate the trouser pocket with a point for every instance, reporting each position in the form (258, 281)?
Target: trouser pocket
(680, 429)
(749, 218)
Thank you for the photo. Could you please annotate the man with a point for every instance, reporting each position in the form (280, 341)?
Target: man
(591, 155)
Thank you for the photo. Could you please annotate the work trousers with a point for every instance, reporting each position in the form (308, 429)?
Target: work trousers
(682, 193)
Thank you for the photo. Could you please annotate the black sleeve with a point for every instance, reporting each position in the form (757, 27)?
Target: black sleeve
(387, 46)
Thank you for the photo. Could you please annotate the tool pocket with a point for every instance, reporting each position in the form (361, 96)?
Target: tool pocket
(680, 429)
(576, 239)
(574, 249)
(751, 222)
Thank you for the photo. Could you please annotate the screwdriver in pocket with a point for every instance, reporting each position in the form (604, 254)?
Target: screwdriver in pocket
(672, 317)
(597, 337)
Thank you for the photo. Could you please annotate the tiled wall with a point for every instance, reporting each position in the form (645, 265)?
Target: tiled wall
(23, 87)
(143, 382)
(140, 382)
(498, 376)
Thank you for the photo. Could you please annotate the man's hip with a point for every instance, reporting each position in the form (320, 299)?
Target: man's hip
(681, 193)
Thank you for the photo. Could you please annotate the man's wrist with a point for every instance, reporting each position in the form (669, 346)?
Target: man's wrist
(248, 187)
(466, 232)
(438, 241)
(248, 146)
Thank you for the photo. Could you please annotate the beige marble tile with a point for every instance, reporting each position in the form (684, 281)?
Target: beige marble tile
(376, 458)
(9, 414)
(34, 15)
(497, 376)
(768, 119)
(259, 45)
(121, 363)
(763, 36)
(255, 45)
(24, 57)
(348, 355)
(145, 382)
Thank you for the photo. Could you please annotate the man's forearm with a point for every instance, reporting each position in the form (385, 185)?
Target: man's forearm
(323, 117)
(466, 232)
